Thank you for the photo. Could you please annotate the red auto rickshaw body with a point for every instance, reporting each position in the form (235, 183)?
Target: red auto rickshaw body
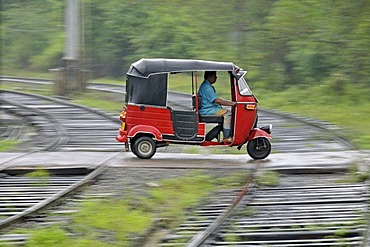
(148, 122)
(156, 121)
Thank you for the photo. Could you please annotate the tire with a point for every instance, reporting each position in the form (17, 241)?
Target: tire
(144, 147)
(133, 148)
(259, 148)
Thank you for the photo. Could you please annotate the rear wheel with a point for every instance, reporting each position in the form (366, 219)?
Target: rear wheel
(144, 147)
(259, 148)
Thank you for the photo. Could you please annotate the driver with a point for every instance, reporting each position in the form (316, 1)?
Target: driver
(211, 104)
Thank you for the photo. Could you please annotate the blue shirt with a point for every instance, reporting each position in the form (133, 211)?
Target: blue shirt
(208, 94)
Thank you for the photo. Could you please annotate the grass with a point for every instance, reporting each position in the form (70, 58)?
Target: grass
(24, 73)
(175, 196)
(40, 175)
(354, 175)
(57, 236)
(98, 100)
(268, 178)
(109, 80)
(6, 144)
(111, 219)
(33, 89)
(236, 180)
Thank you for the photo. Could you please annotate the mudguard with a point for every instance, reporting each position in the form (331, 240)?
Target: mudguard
(257, 132)
(145, 129)
(122, 136)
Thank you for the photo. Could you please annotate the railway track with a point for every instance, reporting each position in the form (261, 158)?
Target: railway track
(61, 125)
(321, 212)
(26, 191)
(113, 184)
(308, 209)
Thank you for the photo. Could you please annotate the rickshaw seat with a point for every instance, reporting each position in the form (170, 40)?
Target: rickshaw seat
(215, 119)
(211, 119)
(207, 118)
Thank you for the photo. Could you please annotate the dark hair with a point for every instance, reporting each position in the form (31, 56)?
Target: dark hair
(208, 73)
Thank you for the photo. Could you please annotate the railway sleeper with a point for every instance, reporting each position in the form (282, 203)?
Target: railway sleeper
(353, 241)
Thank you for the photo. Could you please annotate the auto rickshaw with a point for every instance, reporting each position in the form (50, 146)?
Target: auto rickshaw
(148, 122)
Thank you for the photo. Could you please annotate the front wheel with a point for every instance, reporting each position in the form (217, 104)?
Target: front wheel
(259, 148)
(144, 147)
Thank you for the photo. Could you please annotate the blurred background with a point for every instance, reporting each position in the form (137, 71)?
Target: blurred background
(307, 57)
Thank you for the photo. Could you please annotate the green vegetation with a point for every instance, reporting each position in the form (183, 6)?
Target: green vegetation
(56, 236)
(248, 211)
(52, 236)
(110, 80)
(40, 175)
(175, 196)
(99, 100)
(354, 175)
(112, 219)
(6, 144)
(281, 42)
(232, 238)
(27, 73)
(340, 232)
(236, 180)
(191, 150)
(268, 178)
(45, 90)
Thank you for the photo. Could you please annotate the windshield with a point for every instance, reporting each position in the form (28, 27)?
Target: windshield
(243, 87)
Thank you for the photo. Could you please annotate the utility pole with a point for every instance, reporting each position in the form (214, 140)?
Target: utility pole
(72, 20)
(72, 45)
(71, 78)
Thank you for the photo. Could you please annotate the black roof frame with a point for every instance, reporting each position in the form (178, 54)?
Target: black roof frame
(145, 67)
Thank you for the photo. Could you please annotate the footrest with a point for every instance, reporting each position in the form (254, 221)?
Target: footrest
(214, 133)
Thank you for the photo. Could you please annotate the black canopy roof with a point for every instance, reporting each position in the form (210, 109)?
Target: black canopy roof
(145, 67)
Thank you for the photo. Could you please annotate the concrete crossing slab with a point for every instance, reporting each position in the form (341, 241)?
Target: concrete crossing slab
(281, 161)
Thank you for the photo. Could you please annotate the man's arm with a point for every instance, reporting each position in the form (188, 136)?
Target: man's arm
(224, 102)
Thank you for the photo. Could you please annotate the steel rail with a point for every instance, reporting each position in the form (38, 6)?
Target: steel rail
(58, 127)
(201, 237)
